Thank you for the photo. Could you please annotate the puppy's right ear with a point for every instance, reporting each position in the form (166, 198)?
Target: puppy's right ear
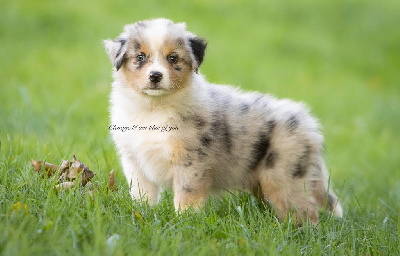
(116, 51)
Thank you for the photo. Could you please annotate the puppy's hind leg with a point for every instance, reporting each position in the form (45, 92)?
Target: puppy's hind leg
(140, 186)
(288, 197)
(272, 193)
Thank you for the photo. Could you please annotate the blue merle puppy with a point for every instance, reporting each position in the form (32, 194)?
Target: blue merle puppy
(223, 139)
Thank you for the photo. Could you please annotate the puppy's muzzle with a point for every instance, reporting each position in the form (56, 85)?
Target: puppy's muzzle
(155, 76)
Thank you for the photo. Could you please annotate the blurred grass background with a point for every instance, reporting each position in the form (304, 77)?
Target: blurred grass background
(341, 57)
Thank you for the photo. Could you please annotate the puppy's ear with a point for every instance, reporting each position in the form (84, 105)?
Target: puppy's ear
(116, 51)
(198, 46)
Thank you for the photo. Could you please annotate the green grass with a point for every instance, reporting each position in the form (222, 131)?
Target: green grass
(340, 57)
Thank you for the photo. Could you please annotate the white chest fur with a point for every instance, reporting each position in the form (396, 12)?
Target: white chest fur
(148, 137)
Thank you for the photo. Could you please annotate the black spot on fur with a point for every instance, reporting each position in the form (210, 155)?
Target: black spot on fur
(301, 168)
(199, 121)
(244, 108)
(261, 146)
(141, 24)
(206, 140)
(221, 130)
(177, 68)
(217, 96)
(227, 136)
(201, 153)
(271, 125)
(271, 159)
(292, 123)
(180, 42)
(187, 189)
(213, 93)
(299, 171)
(198, 46)
(259, 150)
(225, 100)
(136, 45)
(259, 98)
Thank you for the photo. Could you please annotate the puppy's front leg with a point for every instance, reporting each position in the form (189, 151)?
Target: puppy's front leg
(140, 186)
(190, 189)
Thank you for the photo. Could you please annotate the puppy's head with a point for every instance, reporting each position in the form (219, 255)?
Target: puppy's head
(156, 57)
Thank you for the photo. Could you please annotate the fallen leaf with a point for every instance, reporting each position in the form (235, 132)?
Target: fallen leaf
(62, 178)
(37, 165)
(71, 174)
(77, 167)
(87, 176)
(111, 181)
(48, 167)
(67, 174)
(65, 165)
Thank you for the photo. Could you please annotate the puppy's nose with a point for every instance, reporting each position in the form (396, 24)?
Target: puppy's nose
(155, 76)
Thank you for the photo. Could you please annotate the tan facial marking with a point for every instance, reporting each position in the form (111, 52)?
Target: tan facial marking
(180, 72)
(135, 78)
(132, 73)
(168, 48)
(145, 48)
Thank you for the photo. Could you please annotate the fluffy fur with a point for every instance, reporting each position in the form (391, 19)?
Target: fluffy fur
(225, 139)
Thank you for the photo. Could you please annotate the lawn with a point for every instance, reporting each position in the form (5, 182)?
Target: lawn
(341, 57)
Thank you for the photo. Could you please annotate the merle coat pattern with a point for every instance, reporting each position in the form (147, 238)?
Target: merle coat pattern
(226, 139)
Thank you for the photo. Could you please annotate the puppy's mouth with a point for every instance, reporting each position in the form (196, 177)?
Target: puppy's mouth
(154, 89)
(154, 86)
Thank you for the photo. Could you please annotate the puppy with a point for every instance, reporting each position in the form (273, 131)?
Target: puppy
(222, 138)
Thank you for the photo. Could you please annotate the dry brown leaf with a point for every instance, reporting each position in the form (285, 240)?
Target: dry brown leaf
(71, 174)
(68, 173)
(37, 165)
(62, 178)
(87, 176)
(111, 181)
(77, 167)
(48, 167)
(64, 165)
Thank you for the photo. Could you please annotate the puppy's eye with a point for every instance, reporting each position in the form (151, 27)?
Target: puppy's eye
(141, 57)
(173, 59)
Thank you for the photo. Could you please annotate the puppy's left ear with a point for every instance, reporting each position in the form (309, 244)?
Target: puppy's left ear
(198, 46)
(116, 51)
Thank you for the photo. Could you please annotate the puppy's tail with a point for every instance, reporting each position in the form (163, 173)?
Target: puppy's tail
(323, 194)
